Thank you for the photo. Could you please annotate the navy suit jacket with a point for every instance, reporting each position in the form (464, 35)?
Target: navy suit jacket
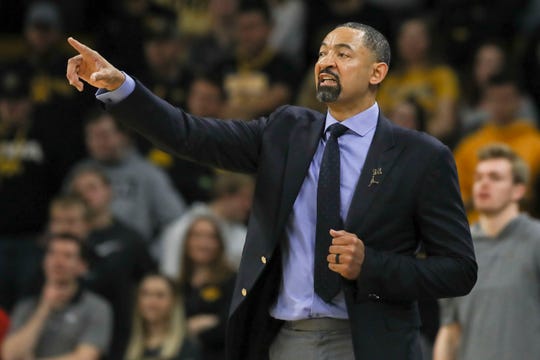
(407, 197)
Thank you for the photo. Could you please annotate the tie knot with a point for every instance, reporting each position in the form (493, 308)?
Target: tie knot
(336, 130)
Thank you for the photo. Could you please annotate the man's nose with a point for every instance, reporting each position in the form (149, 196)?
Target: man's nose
(327, 62)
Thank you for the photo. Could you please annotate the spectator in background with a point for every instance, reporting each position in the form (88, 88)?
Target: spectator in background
(463, 25)
(206, 98)
(500, 318)
(433, 86)
(206, 282)
(399, 10)
(65, 320)
(289, 28)
(231, 204)
(502, 99)
(164, 72)
(32, 162)
(208, 49)
(120, 255)
(489, 60)
(43, 61)
(159, 326)
(69, 214)
(167, 76)
(194, 17)
(43, 33)
(115, 265)
(257, 79)
(409, 114)
(143, 196)
(121, 35)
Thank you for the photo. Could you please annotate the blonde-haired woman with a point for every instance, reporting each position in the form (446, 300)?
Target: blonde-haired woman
(207, 282)
(159, 329)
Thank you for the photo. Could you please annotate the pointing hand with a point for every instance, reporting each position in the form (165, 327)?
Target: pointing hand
(91, 67)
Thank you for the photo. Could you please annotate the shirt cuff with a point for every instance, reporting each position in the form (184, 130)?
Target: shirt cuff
(115, 96)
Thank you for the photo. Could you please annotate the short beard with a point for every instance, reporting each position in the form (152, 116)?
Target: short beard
(328, 94)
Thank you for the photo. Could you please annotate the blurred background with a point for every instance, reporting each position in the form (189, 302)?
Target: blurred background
(464, 71)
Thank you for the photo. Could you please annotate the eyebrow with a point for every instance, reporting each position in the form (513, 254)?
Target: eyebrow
(340, 45)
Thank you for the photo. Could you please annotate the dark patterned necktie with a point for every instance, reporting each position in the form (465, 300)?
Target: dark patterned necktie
(326, 282)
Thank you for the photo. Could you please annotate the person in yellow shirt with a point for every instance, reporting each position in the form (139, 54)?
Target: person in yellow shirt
(502, 98)
(434, 87)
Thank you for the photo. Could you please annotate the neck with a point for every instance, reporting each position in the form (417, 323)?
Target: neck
(413, 64)
(201, 274)
(222, 29)
(503, 122)
(167, 71)
(157, 329)
(102, 219)
(493, 224)
(68, 287)
(342, 112)
(218, 209)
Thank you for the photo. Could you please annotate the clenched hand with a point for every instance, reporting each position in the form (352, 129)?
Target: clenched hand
(351, 254)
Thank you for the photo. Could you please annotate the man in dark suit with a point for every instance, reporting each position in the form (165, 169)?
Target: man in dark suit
(329, 268)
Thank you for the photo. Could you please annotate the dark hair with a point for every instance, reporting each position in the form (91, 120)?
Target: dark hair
(258, 6)
(95, 116)
(502, 78)
(84, 251)
(373, 40)
(90, 169)
(68, 201)
(211, 78)
(420, 113)
(228, 183)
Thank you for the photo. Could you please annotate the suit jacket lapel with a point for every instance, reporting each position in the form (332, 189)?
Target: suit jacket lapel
(302, 146)
(380, 158)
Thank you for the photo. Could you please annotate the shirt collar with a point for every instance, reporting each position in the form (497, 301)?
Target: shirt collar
(360, 123)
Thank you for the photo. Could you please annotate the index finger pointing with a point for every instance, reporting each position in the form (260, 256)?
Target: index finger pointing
(80, 47)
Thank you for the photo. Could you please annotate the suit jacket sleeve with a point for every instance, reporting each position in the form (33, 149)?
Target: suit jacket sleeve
(450, 267)
(233, 145)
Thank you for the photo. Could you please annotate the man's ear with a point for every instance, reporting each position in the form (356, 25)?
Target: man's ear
(83, 267)
(378, 73)
(518, 193)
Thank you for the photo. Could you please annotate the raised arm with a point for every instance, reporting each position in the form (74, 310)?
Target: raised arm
(232, 145)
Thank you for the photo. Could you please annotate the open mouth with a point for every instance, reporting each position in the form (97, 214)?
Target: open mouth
(327, 79)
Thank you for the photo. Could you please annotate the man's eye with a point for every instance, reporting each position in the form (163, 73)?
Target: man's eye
(343, 55)
(321, 53)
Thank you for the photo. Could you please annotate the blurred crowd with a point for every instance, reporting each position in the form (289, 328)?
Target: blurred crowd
(111, 248)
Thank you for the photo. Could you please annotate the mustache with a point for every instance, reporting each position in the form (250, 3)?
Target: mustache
(329, 72)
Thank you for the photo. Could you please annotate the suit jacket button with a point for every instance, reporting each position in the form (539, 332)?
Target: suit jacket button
(374, 296)
(263, 259)
(244, 292)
